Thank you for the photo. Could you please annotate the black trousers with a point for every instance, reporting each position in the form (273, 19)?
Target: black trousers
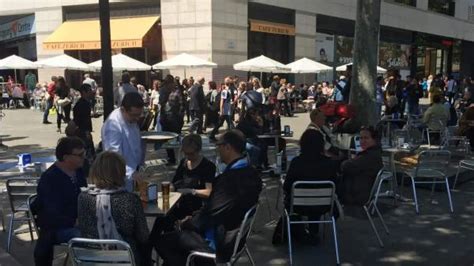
(174, 247)
(222, 118)
(171, 123)
(197, 121)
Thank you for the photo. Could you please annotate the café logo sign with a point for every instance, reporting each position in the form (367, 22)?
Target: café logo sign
(270, 27)
(17, 28)
(91, 45)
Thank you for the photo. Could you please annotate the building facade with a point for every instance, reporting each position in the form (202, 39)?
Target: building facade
(420, 37)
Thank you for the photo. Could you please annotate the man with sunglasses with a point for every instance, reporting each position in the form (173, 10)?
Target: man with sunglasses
(56, 203)
(121, 133)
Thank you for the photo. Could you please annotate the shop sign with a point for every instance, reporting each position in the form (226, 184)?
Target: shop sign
(93, 45)
(17, 28)
(270, 27)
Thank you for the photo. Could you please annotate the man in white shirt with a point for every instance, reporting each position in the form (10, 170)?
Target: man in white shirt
(224, 112)
(121, 133)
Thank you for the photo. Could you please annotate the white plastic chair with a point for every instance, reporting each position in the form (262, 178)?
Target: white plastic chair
(240, 245)
(432, 164)
(309, 194)
(84, 251)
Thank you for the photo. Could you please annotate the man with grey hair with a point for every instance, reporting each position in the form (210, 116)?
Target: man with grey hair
(197, 104)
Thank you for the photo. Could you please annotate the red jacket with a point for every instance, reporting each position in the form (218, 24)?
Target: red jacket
(51, 90)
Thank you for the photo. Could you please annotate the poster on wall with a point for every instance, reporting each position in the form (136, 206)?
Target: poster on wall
(344, 50)
(394, 56)
(325, 48)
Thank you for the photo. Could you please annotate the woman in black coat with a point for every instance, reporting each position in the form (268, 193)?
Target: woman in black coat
(360, 172)
(310, 165)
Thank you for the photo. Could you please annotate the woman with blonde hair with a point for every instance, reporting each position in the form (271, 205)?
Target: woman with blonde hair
(108, 211)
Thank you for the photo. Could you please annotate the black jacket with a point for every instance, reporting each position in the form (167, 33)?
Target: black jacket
(317, 168)
(197, 101)
(234, 192)
(359, 175)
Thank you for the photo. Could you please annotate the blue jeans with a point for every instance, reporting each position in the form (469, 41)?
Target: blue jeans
(44, 249)
(49, 104)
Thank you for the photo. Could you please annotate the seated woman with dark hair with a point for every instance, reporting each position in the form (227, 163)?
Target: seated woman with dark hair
(360, 172)
(310, 165)
(110, 212)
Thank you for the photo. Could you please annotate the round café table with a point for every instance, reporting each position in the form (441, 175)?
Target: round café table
(162, 136)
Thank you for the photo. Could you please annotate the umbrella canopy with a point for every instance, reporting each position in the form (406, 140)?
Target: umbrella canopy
(262, 64)
(343, 68)
(184, 60)
(16, 62)
(122, 62)
(305, 65)
(63, 61)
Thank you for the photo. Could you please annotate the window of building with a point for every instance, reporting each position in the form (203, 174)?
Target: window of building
(442, 6)
(406, 2)
(470, 13)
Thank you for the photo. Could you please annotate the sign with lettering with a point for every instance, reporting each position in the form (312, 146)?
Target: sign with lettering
(271, 27)
(93, 45)
(17, 28)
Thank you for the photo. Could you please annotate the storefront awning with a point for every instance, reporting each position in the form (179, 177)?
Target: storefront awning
(85, 34)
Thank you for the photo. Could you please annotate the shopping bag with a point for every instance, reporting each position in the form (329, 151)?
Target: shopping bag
(53, 111)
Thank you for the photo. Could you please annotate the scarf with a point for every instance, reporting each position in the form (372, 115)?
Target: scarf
(105, 222)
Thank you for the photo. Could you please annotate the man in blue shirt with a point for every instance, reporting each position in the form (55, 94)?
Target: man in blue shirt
(56, 203)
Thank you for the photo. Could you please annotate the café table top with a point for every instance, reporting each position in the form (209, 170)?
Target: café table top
(156, 208)
(158, 136)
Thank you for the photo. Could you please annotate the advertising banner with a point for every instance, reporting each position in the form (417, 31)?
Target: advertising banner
(18, 28)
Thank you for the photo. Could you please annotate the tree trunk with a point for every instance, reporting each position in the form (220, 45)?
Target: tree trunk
(364, 68)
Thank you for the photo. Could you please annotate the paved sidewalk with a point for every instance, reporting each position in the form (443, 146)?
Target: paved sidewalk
(435, 237)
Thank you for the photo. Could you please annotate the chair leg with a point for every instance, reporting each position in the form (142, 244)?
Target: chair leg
(381, 219)
(288, 228)
(428, 137)
(457, 175)
(336, 245)
(3, 220)
(250, 256)
(449, 195)
(66, 259)
(268, 204)
(10, 232)
(30, 227)
(373, 226)
(414, 195)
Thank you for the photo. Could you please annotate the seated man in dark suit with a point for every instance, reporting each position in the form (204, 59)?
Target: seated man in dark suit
(56, 204)
(215, 226)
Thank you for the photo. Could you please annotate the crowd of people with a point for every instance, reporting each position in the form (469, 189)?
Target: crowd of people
(213, 202)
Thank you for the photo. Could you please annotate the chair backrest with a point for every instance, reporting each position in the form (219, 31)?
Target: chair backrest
(312, 193)
(383, 173)
(433, 161)
(84, 251)
(19, 189)
(32, 212)
(245, 229)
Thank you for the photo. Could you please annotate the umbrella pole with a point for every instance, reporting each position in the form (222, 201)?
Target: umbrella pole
(261, 75)
(16, 80)
(184, 72)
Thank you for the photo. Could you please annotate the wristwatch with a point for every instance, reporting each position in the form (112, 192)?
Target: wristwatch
(193, 192)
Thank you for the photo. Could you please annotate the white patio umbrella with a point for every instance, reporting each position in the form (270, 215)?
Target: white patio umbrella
(262, 64)
(122, 62)
(16, 62)
(184, 61)
(63, 61)
(380, 70)
(305, 65)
